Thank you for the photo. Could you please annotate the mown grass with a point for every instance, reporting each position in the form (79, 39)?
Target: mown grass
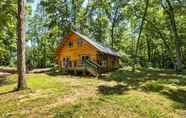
(145, 93)
(133, 105)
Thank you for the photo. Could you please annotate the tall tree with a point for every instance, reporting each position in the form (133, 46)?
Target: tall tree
(170, 11)
(140, 31)
(7, 32)
(110, 22)
(21, 67)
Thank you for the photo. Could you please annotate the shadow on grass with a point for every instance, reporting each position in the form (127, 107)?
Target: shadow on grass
(152, 87)
(4, 75)
(109, 90)
(149, 81)
(8, 92)
(51, 73)
(79, 74)
(178, 95)
(135, 79)
(17, 91)
(4, 81)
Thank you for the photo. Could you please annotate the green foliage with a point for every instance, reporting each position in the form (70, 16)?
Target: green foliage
(153, 86)
(7, 31)
(114, 23)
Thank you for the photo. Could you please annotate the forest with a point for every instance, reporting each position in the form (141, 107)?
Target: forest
(149, 33)
(149, 36)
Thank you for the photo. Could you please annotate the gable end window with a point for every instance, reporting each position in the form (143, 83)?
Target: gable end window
(80, 43)
(70, 44)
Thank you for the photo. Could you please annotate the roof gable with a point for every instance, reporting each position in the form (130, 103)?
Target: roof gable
(97, 45)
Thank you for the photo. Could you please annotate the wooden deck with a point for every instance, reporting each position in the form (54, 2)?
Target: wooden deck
(84, 70)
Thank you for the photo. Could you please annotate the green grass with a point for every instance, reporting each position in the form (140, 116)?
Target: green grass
(145, 93)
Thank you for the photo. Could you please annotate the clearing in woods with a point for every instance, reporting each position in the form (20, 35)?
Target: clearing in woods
(146, 93)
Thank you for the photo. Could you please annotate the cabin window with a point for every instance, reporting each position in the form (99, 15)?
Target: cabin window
(70, 44)
(75, 63)
(66, 61)
(80, 43)
(84, 58)
(60, 63)
(70, 64)
(103, 63)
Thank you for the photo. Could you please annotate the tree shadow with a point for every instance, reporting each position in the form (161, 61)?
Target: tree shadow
(177, 95)
(4, 75)
(152, 87)
(149, 80)
(135, 79)
(55, 73)
(17, 91)
(71, 73)
(4, 80)
(8, 92)
(110, 90)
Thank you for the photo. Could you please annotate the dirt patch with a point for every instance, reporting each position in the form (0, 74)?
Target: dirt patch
(40, 70)
(3, 80)
(8, 70)
(4, 74)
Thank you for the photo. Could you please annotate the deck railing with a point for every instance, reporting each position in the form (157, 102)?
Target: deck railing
(88, 64)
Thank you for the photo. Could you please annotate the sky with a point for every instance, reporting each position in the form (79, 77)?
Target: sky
(34, 5)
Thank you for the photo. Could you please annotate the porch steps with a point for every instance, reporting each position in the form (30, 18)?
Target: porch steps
(92, 64)
(92, 71)
(93, 68)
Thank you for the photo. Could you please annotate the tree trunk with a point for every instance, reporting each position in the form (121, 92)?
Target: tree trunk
(74, 10)
(113, 27)
(21, 67)
(170, 13)
(139, 36)
(112, 35)
(148, 48)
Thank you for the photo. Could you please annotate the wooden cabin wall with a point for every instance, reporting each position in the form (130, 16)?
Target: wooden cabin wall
(110, 66)
(75, 52)
(113, 62)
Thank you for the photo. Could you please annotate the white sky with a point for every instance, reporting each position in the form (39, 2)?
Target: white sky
(34, 5)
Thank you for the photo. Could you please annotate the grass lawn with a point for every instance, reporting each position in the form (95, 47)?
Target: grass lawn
(123, 94)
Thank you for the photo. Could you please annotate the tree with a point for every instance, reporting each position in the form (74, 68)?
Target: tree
(140, 31)
(170, 11)
(21, 67)
(117, 23)
(7, 32)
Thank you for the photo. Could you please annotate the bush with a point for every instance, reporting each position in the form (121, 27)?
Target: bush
(154, 87)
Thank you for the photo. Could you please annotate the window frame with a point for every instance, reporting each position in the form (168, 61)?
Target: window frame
(70, 44)
(80, 42)
(84, 57)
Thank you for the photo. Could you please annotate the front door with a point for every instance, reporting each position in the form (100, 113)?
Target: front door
(66, 62)
(84, 58)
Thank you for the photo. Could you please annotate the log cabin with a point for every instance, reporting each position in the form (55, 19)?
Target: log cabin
(77, 53)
